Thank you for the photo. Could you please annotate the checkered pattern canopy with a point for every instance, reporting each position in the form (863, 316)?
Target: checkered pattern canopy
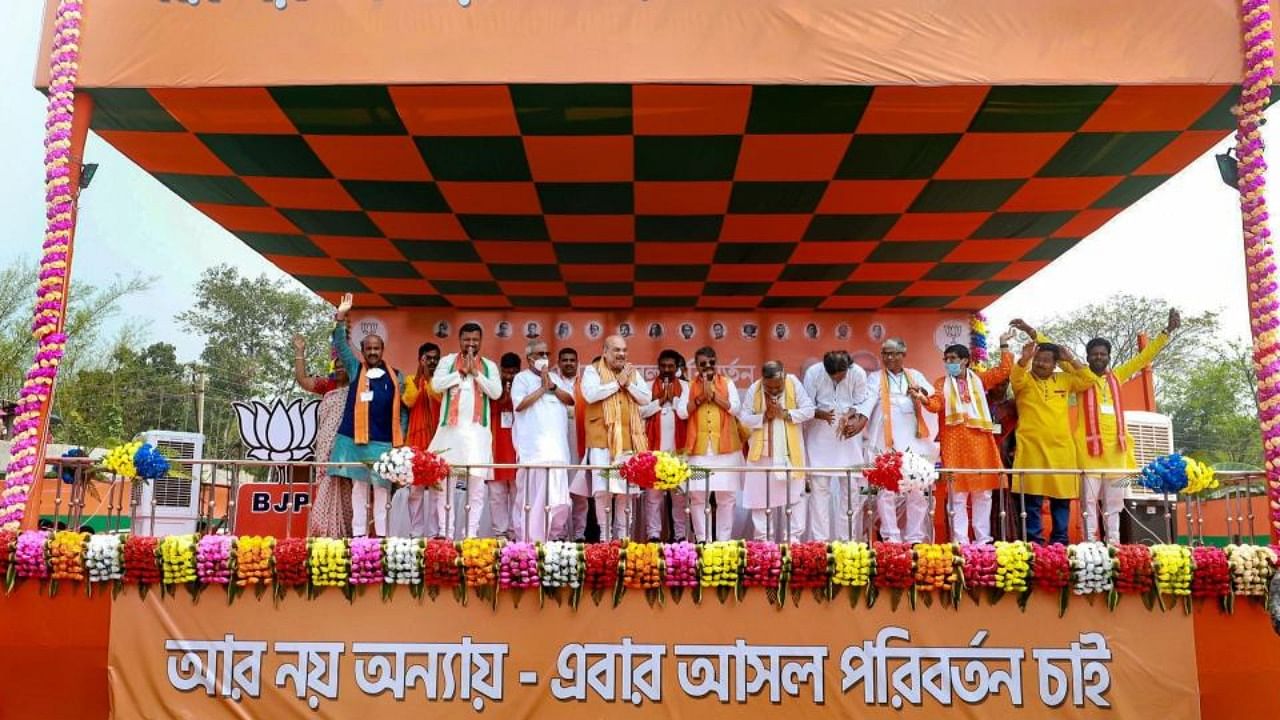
(632, 196)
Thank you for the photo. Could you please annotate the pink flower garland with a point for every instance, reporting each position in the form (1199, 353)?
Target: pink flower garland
(213, 559)
(51, 292)
(366, 561)
(518, 566)
(30, 557)
(682, 564)
(979, 565)
(1251, 166)
(764, 564)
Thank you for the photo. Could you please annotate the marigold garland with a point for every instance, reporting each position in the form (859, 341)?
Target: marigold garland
(441, 564)
(1172, 565)
(601, 561)
(642, 566)
(1013, 566)
(979, 566)
(851, 564)
(935, 566)
(329, 561)
(1251, 569)
(8, 539)
(1050, 566)
(1211, 575)
(253, 560)
(479, 561)
(178, 559)
(721, 563)
(66, 555)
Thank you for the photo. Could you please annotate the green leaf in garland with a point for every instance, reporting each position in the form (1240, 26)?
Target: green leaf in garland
(349, 592)
(1113, 599)
(1149, 600)
(697, 594)
(855, 593)
(722, 593)
(516, 594)
(53, 588)
(1064, 597)
(739, 590)
(259, 590)
(928, 599)
(143, 589)
(433, 592)
(10, 578)
(994, 595)
(677, 594)
(388, 590)
(771, 594)
(873, 593)
(596, 594)
(974, 595)
(1023, 597)
(895, 598)
(1229, 603)
(575, 597)
(88, 589)
(193, 589)
(1186, 604)
(911, 597)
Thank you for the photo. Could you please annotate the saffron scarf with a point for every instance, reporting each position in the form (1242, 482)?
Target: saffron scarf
(615, 407)
(1092, 421)
(424, 415)
(653, 426)
(973, 412)
(360, 409)
(480, 409)
(760, 438)
(886, 411)
(728, 440)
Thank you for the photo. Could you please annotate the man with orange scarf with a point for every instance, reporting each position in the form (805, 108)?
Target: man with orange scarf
(711, 406)
(614, 392)
(371, 423)
(896, 420)
(409, 517)
(1102, 440)
(776, 408)
(464, 436)
(665, 427)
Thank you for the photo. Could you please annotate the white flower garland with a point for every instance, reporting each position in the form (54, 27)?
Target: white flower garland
(561, 564)
(1092, 568)
(918, 474)
(1251, 568)
(396, 466)
(102, 558)
(402, 559)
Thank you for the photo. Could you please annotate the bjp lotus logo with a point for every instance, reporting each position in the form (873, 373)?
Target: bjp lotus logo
(279, 432)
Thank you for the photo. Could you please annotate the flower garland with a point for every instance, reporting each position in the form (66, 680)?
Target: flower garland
(366, 561)
(1167, 474)
(479, 560)
(1172, 564)
(213, 559)
(149, 462)
(1200, 478)
(809, 565)
(561, 565)
(852, 564)
(518, 566)
(602, 565)
(140, 566)
(978, 338)
(292, 563)
(670, 472)
(51, 291)
(642, 566)
(1251, 569)
(396, 466)
(1013, 566)
(1092, 568)
(7, 540)
(119, 459)
(895, 567)
(66, 555)
(885, 472)
(329, 562)
(103, 559)
(1211, 575)
(681, 560)
(429, 469)
(1251, 181)
(253, 560)
(1051, 567)
(721, 563)
(640, 470)
(441, 564)
(178, 559)
(979, 566)
(1134, 573)
(31, 554)
(935, 567)
(763, 567)
(403, 558)
(918, 473)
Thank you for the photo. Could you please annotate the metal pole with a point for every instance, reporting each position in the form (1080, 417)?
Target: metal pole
(708, 526)
(848, 502)
(201, 385)
(786, 511)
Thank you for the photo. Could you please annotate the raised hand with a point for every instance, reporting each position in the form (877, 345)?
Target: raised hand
(1022, 325)
(1175, 321)
(299, 345)
(344, 305)
(1007, 336)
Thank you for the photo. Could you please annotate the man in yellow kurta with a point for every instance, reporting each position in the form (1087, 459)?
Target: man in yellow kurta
(1102, 440)
(1044, 433)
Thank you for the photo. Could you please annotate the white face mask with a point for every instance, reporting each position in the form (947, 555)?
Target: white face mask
(541, 364)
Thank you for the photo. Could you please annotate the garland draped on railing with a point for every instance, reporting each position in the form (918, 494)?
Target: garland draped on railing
(51, 292)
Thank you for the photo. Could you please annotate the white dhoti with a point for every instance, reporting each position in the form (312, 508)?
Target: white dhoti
(542, 503)
(409, 513)
(614, 498)
(723, 485)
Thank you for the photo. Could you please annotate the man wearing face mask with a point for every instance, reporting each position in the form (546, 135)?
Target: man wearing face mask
(712, 441)
(665, 419)
(370, 423)
(837, 387)
(897, 421)
(965, 434)
(541, 407)
(464, 437)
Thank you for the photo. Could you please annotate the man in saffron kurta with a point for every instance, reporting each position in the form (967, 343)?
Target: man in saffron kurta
(409, 516)
(776, 408)
(664, 419)
(501, 491)
(1044, 434)
(712, 441)
(897, 421)
(965, 436)
(370, 423)
(1102, 440)
(464, 437)
(614, 392)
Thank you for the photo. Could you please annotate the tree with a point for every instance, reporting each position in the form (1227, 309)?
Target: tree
(1213, 408)
(1121, 317)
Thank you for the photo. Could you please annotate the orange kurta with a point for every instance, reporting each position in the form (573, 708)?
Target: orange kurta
(966, 447)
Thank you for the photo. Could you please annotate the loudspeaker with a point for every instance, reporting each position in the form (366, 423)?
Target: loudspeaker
(1143, 521)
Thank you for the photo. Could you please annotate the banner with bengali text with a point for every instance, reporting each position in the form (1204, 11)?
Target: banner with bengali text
(406, 657)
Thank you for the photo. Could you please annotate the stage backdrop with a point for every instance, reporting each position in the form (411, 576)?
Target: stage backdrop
(406, 658)
(743, 340)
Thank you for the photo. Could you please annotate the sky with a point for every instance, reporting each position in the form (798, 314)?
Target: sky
(1181, 243)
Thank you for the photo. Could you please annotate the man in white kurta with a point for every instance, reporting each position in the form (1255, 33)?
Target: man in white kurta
(567, 378)
(664, 417)
(775, 409)
(711, 408)
(467, 382)
(540, 439)
(832, 439)
(896, 421)
(614, 392)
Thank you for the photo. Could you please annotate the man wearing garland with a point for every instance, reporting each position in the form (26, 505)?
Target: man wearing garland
(838, 387)
(712, 441)
(665, 418)
(1102, 439)
(776, 408)
(897, 421)
(464, 437)
(541, 438)
(613, 392)
(371, 422)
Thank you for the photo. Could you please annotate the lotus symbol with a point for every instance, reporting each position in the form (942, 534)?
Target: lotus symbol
(279, 432)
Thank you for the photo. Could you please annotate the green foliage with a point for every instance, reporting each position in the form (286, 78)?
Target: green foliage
(1214, 410)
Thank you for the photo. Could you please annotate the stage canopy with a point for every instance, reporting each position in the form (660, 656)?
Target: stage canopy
(831, 155)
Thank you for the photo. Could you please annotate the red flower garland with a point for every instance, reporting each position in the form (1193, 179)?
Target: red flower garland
(7, 540)
(140, 566)
(894, 565)
(291, 562)
(1134, 572)
(429, 469)
(1050, 566)
(602, 565)
(1211, 577)
(886, 472)
(640, 470)
(810, 565)
(440, 564)
(764, 564)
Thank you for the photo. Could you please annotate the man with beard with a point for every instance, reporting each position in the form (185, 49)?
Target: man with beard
(409, 516)
(711, 405)
(665, 426)
(567, 378)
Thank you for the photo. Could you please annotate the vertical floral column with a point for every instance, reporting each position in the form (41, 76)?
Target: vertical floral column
(1264, 310)
(51, 292)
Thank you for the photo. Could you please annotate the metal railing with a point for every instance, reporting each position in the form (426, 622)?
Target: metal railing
(216, 484)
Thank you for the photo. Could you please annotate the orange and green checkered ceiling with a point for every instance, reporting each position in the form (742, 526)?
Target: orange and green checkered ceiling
(667, 196)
